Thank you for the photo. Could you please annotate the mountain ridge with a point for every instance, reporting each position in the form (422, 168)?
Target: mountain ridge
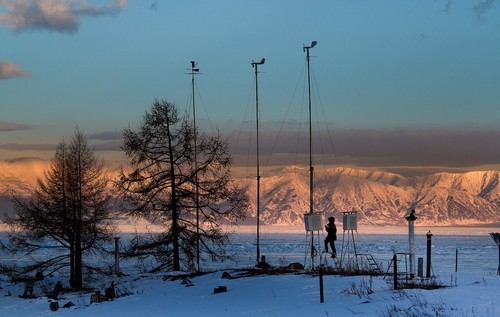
(380, 198)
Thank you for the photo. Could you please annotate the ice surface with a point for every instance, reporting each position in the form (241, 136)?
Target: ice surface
(473, 291)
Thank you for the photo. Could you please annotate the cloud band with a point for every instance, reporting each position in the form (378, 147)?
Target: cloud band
(379, 148)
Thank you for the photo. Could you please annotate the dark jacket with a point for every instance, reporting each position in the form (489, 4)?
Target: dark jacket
(332, 231)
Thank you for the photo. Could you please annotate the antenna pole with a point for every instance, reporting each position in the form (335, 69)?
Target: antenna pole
(311, 168)
(255, 66)
(195, 71)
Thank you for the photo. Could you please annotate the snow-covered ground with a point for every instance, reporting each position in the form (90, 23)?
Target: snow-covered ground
(271, 295)
(472, 291)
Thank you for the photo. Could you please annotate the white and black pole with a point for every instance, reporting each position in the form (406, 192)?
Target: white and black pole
(411, 236)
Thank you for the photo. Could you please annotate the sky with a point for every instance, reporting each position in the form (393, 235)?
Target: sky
(411, 87)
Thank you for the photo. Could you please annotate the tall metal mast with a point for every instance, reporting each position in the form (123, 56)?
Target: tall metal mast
(255, 66)
(311, 168)
(195, 71)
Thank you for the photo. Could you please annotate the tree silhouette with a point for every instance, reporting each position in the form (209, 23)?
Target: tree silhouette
(161, 187)
(68, 210)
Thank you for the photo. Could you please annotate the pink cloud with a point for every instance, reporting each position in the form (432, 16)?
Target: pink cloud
(10, 70)
(55, 15)
(10, 126)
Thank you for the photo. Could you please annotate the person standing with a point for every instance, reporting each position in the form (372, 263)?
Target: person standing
(331, 229)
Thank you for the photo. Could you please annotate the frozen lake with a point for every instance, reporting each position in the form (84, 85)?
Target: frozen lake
(477, 252)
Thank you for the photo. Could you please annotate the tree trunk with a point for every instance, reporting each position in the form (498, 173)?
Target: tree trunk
(175, 234)
(72, 265)
(78, 263)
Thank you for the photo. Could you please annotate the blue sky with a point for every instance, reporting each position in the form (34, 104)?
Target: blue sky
(401, 85)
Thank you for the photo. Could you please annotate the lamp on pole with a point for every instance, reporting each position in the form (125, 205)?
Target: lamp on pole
(195, 71)
(255, 65)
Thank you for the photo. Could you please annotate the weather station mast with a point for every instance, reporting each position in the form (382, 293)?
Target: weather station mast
(255, 65)
(196, 71)
(312, 220)
(311, 168)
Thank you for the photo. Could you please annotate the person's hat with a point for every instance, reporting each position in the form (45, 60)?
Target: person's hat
(331, 219)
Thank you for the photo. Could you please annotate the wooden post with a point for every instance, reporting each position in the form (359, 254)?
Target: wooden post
(395, 263)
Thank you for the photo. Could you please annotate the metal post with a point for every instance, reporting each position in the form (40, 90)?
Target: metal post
(255, 66)
(429, 254)
(395, 264)
(496, 237)
(456, 260)
(195, 71)
(355, 251)
(321, 293)
(420, 266)
(311, 168)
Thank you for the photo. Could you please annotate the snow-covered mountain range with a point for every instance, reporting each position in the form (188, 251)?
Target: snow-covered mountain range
(380, 198)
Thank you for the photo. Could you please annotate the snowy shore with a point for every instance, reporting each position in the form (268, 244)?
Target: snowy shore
(472, 291)
(270, 295)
